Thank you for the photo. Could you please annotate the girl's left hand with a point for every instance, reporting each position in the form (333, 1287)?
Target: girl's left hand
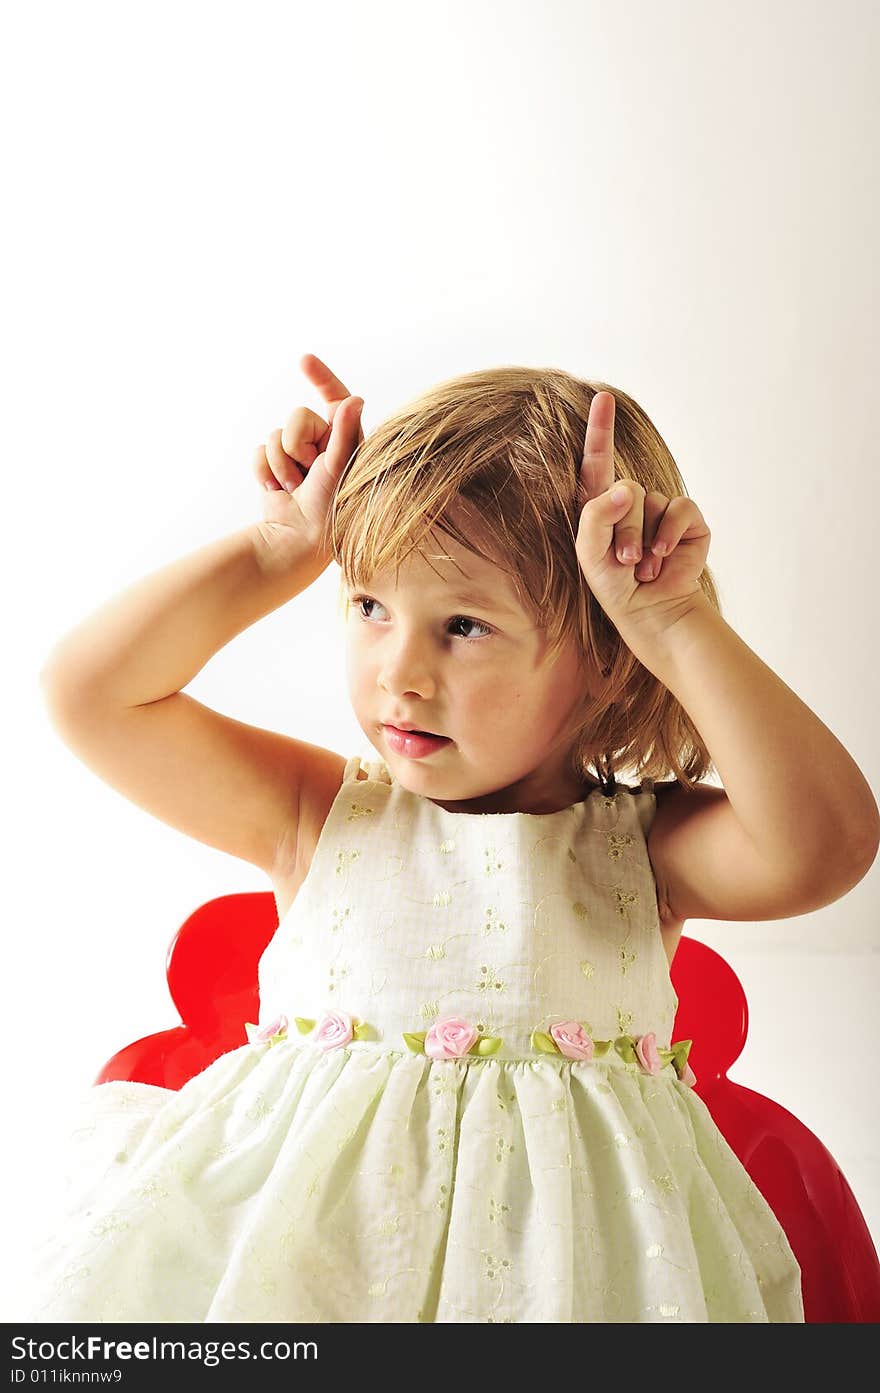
(647, 593)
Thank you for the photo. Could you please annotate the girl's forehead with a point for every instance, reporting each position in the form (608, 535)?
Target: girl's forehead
(441, 570)
(484, 586)
(438, 569)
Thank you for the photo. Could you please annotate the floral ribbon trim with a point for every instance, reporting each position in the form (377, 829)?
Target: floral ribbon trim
(451, 1038)
(572, 1039)
(335, 1028)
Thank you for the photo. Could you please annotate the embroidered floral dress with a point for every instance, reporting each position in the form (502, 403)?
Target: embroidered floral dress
(461, 1103)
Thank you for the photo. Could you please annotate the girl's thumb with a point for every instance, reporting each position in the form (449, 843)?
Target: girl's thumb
(598, 516)
(613, 497)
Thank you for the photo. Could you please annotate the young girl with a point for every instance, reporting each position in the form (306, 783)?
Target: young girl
(461, 1101)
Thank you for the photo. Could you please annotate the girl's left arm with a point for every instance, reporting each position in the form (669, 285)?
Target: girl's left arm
(795, 825)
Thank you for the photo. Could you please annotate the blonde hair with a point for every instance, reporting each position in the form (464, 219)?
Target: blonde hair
(492, 458)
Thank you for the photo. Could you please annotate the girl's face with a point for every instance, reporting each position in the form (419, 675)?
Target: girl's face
(459, 656)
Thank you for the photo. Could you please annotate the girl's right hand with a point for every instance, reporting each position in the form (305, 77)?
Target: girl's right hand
(301, 465)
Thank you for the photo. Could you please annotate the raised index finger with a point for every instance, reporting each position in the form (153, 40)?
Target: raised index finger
(597, 465)
(328, 384)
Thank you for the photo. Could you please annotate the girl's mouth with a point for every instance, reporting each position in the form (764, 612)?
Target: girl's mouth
(414, 744)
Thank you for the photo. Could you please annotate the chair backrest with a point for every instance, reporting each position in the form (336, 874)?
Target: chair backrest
(211, 969)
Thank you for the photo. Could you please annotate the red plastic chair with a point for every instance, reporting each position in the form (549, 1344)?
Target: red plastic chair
(212, 976)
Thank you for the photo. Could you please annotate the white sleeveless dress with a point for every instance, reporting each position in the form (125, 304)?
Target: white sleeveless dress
(544, 1161)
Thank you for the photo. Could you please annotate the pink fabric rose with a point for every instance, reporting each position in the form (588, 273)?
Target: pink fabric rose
(646, 1049)
(333, 1029)
(450, 1038)
(275, 1027)
(688, 1077)
(572, 1039)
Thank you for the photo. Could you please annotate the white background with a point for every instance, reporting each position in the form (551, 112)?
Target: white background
(680, 200)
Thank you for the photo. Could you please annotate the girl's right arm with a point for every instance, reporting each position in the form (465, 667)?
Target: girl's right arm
(113, 684)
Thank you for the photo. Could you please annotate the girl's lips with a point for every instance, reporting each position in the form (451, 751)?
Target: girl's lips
(413, 744)
(404, 731)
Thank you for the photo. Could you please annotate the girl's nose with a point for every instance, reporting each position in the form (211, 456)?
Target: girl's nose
(405, 675)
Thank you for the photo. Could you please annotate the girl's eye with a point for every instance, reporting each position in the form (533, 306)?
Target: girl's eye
(361, 600)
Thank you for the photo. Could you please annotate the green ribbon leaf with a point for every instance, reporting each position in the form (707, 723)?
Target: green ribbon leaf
(680, 1051)
(487, 1044)
(601, 1047)
(544, 1042)
(626, 1049)
(416, 1041)
(362, 1031)
(303, 1026)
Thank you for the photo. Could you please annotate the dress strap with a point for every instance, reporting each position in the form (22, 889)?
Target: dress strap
(352, 765)
(374, 769)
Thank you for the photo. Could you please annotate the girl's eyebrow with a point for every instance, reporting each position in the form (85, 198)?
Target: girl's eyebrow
(481, 599)
(476, 597)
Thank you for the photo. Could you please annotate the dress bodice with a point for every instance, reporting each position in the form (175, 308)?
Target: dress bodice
(410, 912)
